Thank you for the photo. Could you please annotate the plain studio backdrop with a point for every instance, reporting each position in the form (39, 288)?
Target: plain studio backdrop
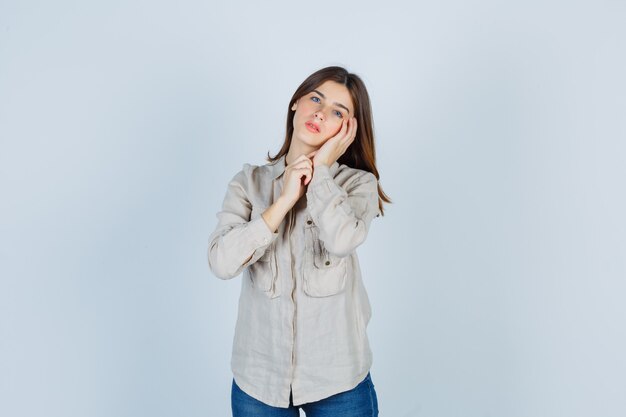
(497, 277)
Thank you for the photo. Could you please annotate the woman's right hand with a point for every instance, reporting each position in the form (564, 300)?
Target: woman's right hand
(298, 174)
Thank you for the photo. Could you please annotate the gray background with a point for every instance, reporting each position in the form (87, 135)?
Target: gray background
(496, 278)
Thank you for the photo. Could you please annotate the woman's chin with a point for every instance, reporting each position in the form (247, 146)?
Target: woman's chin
(311, 142)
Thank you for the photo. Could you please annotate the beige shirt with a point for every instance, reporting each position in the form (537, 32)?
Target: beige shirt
(303, 309)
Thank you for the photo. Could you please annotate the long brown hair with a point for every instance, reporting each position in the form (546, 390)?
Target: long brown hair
(361, 153)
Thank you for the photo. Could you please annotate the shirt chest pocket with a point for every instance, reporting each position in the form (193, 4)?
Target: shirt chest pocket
(264, 272)
(324, 274)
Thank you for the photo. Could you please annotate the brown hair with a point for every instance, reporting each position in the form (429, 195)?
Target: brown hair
(361, 153)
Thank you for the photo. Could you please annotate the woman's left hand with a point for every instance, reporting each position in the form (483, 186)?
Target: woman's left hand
(334, 147)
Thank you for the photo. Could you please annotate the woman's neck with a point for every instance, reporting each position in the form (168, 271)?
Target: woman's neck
(296, 149)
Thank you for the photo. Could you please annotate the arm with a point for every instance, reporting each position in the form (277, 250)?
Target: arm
(237, 241)
(343, 216)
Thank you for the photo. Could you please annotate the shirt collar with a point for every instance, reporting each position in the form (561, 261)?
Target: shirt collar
(278, 167)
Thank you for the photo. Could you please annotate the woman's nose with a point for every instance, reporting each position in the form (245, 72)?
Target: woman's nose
(319, 114)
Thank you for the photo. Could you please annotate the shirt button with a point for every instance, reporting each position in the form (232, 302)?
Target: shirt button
(309, 222)
(327, 262)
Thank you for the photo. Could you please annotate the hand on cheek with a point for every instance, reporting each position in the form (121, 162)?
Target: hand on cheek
(335, 146)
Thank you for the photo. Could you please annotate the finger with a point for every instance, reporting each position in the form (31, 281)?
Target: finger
(352, 126)
(351, 133)
(343, 128)
(309, 177)
(348, 128)
(346, 125)
(302, 157)
(337, 137)
(302, 169)
(304, 172)
(301, 161)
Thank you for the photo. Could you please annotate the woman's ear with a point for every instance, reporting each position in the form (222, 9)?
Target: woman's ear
(295, 105)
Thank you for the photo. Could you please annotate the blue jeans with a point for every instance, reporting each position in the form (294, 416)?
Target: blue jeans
(360, 401)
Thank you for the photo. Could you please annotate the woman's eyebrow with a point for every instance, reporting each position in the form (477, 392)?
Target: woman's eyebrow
(338, 104)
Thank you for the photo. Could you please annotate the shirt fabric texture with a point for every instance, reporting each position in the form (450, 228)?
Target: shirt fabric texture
(303, 309)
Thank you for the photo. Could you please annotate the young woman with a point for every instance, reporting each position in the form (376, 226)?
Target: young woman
(300, 338)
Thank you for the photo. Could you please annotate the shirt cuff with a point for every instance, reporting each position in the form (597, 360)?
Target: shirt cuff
(261, 234)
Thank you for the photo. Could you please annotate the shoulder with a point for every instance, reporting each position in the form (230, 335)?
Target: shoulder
(353, 177)
(358, 182)
(252, 178)
(252, 173)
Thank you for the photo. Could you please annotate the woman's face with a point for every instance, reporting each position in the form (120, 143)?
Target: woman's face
(319, 113)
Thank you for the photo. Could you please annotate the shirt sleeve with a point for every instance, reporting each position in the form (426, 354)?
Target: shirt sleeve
(236, 237)
(342, 215)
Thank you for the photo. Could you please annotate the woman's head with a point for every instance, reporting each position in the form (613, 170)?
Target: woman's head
(324, 99)
(318, 115)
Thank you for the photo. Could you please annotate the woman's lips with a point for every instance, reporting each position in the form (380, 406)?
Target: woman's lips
(312, 127)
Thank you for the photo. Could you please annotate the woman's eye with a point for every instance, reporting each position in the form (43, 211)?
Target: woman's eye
(338, 113)
(315, 99)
